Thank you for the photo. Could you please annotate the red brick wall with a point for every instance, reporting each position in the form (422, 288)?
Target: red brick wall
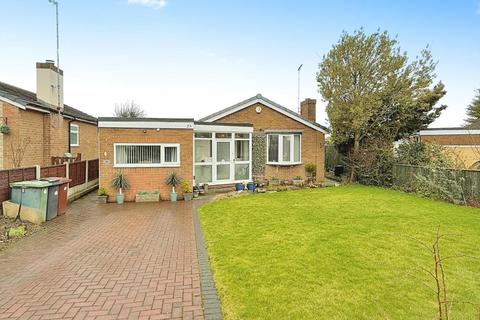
(313, 141)
(144, 179)
(47, 136)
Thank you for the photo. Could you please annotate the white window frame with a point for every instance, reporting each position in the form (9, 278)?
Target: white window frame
(77, 144)
(281, 162)
(163, 164)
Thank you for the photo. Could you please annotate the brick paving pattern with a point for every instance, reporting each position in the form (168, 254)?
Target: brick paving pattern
(136, 261)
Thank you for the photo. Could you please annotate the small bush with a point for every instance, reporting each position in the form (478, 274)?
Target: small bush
(102, 191)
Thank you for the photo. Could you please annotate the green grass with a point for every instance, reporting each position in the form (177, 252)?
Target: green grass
(339, 253)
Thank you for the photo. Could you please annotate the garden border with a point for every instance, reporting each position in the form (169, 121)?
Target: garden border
(210, 301)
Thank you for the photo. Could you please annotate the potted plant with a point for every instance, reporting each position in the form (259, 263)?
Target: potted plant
(274, 181)
(251, 186)
(102, 195)
(239, 186)
(121, 183)
(146, 196)
(310, 169)
(298, 181)
(173, 180)
(196, 191)
(187, 190)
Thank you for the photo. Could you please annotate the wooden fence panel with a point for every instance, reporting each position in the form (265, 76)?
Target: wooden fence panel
(77, 173)
(405, 175)
(14, 175)
(92, 170)
(53, 171)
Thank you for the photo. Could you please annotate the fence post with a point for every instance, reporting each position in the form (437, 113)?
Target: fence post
(86, 171)
(38, 174)
(67, 170)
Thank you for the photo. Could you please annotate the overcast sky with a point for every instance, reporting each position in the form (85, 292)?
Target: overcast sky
(189, 58)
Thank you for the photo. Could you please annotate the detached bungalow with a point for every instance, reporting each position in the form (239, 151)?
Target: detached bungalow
(256, 137)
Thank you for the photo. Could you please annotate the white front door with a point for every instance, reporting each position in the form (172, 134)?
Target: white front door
(223, 161)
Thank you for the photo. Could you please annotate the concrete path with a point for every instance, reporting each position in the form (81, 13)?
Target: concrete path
(133, 261)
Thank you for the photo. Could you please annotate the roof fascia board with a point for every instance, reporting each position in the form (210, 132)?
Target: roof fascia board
(443, 132)
(145, 124)
(13, 103)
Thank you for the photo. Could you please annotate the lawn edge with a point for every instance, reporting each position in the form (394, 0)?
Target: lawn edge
(210, 301)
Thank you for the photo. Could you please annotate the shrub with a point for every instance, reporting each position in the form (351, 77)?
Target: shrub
(298, 178)
(186, 187)
(310, 168)
(102, 191)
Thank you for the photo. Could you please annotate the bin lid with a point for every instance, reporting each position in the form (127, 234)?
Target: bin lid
(30, 184)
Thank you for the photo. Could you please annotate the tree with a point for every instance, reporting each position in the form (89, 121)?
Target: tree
(128, 109)
(473, 112)
(374, 93)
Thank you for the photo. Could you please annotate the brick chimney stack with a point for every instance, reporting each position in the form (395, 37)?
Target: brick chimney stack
(308, 109)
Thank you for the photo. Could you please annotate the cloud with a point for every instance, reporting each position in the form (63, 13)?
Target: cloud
(154, 4)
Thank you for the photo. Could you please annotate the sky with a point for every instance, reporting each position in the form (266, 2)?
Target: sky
(190, 58)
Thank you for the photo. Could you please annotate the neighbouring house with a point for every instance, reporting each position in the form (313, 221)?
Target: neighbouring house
(40, 126)
(462, 143)
(254, 138)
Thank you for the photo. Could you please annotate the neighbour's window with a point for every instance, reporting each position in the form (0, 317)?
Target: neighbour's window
(74, 135)
(146, 155)
(284, 148)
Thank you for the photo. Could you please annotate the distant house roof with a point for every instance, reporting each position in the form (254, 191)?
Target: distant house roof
(269, 103)
(27, 99)
(448, 131)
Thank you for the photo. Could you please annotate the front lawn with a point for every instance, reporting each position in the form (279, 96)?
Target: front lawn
(339, 253)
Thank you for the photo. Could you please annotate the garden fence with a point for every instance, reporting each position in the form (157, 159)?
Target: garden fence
(404, 176)
(81, 172)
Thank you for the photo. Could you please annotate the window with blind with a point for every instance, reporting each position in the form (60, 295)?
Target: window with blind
(146, 155)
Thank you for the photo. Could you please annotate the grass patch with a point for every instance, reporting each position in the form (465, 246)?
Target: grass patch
(339, 253)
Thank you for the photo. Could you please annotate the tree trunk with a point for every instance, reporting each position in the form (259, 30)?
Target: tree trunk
(356, 149)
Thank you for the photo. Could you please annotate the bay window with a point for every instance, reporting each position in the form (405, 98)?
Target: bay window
(284, 149)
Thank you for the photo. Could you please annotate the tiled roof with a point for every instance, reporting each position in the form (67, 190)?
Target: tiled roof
(28, 98)
(261, 98)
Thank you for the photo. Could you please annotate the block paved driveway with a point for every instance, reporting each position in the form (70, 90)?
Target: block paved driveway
(133, 261)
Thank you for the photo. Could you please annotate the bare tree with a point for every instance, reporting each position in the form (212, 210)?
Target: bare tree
(18, 149)
(128, 109)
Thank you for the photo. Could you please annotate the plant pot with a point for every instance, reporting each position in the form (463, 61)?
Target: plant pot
(298, 183)
(205, 187)
(251, 186)
(173, 196)
(102, 199)
(120, 198)
(239, 186)
(147, 197)
(187, 196)
(196, 193)
(274, 182)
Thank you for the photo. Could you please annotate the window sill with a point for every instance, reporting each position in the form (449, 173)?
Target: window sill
(284, 164)
(146, 165)
(74, 145)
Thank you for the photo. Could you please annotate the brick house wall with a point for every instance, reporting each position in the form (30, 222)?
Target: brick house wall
(88, 140)
(464, 148)
(313, 141)
(46, 134)
(144, 179)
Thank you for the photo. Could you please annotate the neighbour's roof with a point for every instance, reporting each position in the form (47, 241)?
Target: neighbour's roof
(269, 103)
(448, 131)
(27, 98)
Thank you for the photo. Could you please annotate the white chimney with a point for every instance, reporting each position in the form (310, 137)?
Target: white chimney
(50, 84)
